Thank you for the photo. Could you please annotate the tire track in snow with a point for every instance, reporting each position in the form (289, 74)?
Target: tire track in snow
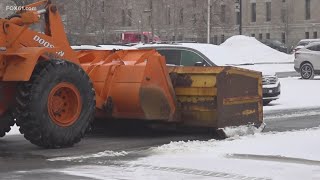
(274, 159)
(190, 171)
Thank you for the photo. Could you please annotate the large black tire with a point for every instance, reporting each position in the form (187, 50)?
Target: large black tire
(6, 121)
(307, 71)
(33, 114)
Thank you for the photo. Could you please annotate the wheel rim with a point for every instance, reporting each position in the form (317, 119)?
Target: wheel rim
(64, 104)
(306, 71)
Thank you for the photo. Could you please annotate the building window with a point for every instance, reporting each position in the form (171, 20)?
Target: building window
(267, 35)
(238, 18)
(307, 36)
(283, 38)
(194, 19)
(253, 35)
(307, 9)
(123, 15)
(315, 35)
(260, 36)
(283, 15)
(194, 3)
(102, 7)
(149, 20)
(222, 38)
(223, 13)
(253, 12)
(181, 16)
(168, 16)
(215, 39)
(268, 11)
(129, 17)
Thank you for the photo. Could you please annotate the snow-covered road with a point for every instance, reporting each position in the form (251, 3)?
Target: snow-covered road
(271, 155)
(287, 155)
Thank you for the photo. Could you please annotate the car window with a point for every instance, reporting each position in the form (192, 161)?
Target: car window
(314, 47)
(303, 43)
(189, 58)
(172, 56)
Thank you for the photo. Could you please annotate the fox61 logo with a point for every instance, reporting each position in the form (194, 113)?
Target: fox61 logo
(20, 8)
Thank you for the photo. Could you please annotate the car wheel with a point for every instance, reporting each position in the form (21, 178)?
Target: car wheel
(266, 102)
(307, 71)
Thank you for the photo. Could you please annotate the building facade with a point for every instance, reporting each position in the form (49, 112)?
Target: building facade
(287, 21)
(103, 21)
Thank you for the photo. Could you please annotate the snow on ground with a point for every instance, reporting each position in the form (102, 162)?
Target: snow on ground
(288, 155)
(268, 144)
(270, 69)
(97, 155)
(101, 47)
(297, 93)
(14, 130)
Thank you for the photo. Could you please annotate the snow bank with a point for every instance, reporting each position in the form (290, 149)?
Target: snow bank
(241, 50)
(267, 58)
(218, 55)
(249, 49)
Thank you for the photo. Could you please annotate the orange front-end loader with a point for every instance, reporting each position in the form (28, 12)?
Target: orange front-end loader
(53, 93)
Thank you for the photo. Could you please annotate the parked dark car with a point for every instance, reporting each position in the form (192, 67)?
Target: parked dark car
(183, 55)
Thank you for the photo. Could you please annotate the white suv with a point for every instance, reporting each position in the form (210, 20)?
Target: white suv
(303, 43)
(307, 61)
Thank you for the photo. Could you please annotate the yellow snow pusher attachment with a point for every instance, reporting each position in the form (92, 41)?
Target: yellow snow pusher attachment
(217, 97)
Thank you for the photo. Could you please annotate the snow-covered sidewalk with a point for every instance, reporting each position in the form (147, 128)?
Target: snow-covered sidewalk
(297, 93)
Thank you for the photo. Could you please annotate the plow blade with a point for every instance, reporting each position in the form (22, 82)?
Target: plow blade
(217, 97)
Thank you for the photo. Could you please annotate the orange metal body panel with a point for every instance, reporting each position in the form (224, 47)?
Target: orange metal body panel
(25, 46)
(131, 84)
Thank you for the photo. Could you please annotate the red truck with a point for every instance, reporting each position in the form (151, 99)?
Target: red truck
(136, 37)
